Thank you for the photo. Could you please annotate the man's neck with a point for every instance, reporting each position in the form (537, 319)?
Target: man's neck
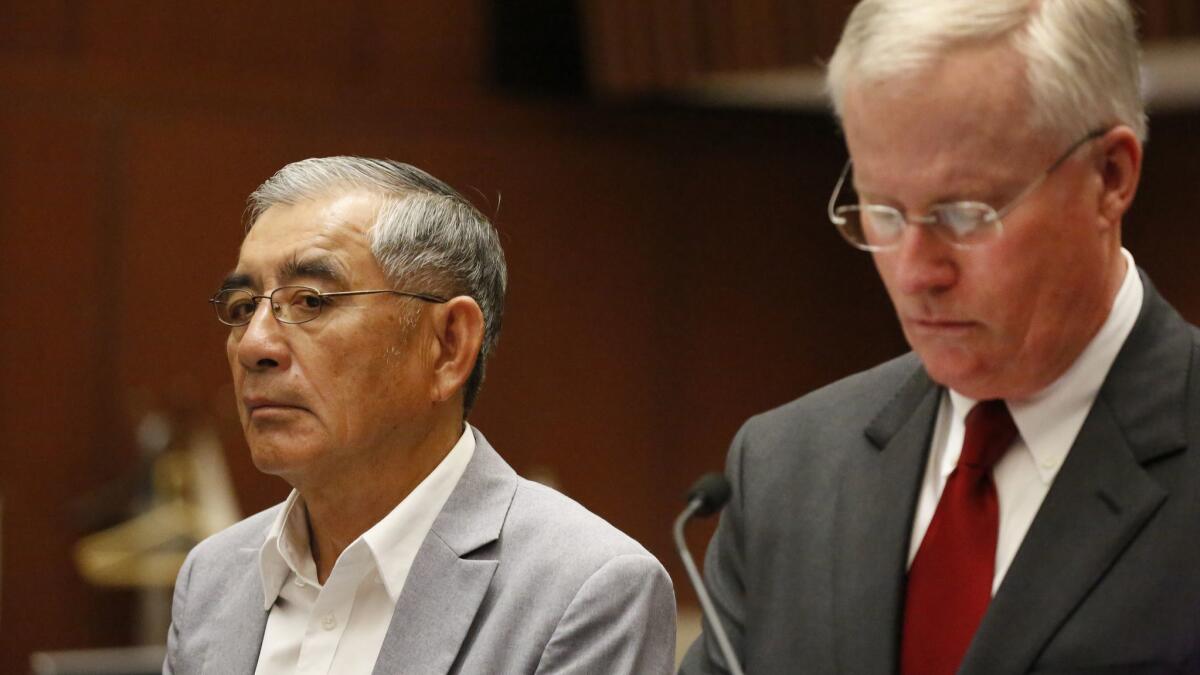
(342, 507)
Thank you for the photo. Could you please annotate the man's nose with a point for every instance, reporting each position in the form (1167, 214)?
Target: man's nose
(924, 262)
(263, 345)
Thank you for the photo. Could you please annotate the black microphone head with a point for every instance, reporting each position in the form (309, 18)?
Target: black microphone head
(713, 491)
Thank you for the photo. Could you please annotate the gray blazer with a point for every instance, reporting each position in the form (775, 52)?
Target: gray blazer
(513, 578)
(808, 562)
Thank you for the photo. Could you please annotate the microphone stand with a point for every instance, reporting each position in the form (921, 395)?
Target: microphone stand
(714, 621)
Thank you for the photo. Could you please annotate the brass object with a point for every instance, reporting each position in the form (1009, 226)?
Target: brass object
(192, 498)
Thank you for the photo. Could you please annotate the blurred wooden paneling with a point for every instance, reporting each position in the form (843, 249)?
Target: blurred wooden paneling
(60, 436)
(1159, 230)
(665, 47)
(672, 271)
(1163, 20)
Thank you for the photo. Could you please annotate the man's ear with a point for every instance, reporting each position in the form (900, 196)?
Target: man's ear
(458, 329)
(1120, 166)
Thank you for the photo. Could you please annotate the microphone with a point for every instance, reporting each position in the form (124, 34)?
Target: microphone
(705, 498)
(713, 491)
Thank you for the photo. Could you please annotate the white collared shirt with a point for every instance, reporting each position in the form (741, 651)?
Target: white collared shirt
(339, 627)
(1048, 423)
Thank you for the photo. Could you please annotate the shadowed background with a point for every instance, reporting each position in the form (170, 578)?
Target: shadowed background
(662, 210)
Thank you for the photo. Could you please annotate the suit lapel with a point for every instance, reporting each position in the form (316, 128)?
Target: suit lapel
(1101, 498)
(241, 621)
(1098, 503)
(435, 609)
(874, 523)
(452, 571)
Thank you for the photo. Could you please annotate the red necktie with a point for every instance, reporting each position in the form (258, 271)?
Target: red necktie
(950, 580)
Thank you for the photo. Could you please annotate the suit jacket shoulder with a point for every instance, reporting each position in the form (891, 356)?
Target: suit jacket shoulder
(218, 601)
(559, 535)
(807, 566)
(847, 404)
(547, 587)
(249, 532)
(791, 458)
(513, 577)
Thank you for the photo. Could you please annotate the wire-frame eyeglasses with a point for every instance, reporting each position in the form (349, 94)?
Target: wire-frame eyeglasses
(962, 224)
(289, 304)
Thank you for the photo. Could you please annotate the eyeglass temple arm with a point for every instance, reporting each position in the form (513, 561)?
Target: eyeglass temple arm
(1012, 203)
(837, 190)
(420, 296)
(436, 299)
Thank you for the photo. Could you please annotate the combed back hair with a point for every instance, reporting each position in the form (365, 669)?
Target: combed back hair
(1081, 57)
(425, 236)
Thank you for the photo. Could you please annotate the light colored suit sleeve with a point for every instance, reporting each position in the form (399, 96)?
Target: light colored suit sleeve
(171, 665)
(622, 620)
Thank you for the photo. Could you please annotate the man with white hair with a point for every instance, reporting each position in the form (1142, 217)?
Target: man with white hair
(1021, 492)
(407, 545)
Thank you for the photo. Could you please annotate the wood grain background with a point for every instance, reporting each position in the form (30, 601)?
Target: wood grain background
(672, 271)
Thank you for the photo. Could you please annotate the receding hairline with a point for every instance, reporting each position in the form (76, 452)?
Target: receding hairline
(1080, 58)
(1004, 45)
(1009, 89)
(850, 74)
(257, 207)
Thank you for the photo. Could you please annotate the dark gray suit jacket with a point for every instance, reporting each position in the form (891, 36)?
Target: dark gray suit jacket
(513, 578)
(808, 563)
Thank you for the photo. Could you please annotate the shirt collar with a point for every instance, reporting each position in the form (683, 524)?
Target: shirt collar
(1050, 420)
(393, 541)
(281, 555)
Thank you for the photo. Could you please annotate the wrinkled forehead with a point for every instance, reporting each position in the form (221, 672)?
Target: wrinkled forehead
(973, 87)
(326, 239)
(968, 110)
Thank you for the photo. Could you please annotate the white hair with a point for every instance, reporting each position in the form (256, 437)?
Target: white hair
(425, 233)
(1081, 57)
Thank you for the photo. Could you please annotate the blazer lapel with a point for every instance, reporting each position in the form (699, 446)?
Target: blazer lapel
(452, 571)
(1101, 498)
(241, 621)
(874, 524)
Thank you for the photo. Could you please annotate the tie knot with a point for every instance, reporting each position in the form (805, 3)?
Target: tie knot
(990, 430)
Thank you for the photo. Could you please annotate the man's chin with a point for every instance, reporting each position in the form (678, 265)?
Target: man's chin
(963, 373)
(283, 461)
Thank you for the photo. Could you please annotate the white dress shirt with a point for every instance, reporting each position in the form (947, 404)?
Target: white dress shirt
(1048, 423)
(339, 627)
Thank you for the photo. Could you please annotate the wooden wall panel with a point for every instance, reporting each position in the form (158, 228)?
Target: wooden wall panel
(58, 440)
(1160, 230)
(773, 303)
(635, 51)
(35, 27)
(279, 40)
(1169, 19)
(583, 298)
(672, 270)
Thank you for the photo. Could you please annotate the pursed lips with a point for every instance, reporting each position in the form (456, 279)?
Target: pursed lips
(255, 404)
(938, 325)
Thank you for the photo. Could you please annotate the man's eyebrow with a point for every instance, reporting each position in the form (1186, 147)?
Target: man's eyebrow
(237, 280)
(323, 268)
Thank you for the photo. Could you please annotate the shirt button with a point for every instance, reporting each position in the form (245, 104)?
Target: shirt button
(329, 622)
(299, 582)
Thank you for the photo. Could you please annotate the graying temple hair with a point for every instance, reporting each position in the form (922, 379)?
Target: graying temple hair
(1081, 56)
(426, 234)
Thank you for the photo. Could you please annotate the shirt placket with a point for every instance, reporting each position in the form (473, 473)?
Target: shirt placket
(331, 613)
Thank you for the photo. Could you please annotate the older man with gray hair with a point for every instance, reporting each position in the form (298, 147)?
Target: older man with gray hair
(407, 545)
(1021, 492)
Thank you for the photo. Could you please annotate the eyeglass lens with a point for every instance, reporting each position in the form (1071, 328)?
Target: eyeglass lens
(962, 224)
(289, 304)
